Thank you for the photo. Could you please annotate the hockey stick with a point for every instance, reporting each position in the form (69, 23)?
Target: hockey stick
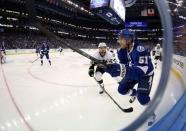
(127, 110)
(34, 60)
(32, 17)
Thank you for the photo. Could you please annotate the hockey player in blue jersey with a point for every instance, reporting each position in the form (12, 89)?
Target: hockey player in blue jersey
(44, 51)
(123, 56)
(135, 68)
(3, 47)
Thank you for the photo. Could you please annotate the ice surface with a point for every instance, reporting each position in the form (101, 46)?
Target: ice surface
(61, 97)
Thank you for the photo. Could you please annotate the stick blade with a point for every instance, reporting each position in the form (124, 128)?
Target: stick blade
(128, 110)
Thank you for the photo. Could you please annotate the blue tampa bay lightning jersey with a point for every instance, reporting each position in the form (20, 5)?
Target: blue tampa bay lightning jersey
(123, 56)
(137, 63)
(140, 57)
(2, 47)
(45, 49)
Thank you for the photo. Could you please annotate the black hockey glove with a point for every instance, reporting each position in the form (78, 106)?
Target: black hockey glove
(91, 70)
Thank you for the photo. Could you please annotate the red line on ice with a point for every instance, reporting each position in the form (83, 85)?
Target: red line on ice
(15, 104)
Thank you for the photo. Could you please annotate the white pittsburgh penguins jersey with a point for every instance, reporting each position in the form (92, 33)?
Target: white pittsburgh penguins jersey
(108, 57)
(157, 51)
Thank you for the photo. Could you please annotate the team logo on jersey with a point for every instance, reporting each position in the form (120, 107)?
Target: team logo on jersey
(140, 48)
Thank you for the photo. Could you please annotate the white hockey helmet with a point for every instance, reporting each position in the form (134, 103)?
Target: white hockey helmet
(102, 44)
(158, 45)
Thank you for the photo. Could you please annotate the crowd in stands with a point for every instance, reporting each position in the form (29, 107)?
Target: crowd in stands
(24, 41)
(180, 48)
(31, 41)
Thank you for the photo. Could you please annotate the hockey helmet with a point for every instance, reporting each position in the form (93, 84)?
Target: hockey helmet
(126, 33)
(102, 44)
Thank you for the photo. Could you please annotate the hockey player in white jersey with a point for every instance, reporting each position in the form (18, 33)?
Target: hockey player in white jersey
(2, 53)
(157, 54)
(60, 49)
(113, 54)
(104, 55)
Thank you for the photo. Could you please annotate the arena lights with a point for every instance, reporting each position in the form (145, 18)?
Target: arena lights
(145, 38)
(140, 30)
(100, 37)
(10, 18)
(84, 36)
(82, 27)
(60, 32)
(106, 30)
(77, 6)
(142, 38)
(182, 17)
(5, 25)
(178, 27)
(39, 17)
(176, 10)
(14, 12)
(2, 10)
(56, 21)
(179, 36)
(31, 28)
(179, 2)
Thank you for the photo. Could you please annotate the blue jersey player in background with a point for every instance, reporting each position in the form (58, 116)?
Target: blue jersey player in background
(44, 51)
(135, 68)
(2, 47)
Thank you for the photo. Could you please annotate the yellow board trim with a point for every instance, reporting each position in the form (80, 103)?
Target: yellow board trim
(178, 76)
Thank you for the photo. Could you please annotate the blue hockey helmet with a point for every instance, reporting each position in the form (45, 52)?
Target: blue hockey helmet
(126, 33)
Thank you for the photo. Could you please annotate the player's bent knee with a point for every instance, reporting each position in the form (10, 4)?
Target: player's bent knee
(98, 76)
(143, 98)
(122, 90)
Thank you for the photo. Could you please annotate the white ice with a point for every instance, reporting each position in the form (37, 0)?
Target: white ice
(61, 97)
